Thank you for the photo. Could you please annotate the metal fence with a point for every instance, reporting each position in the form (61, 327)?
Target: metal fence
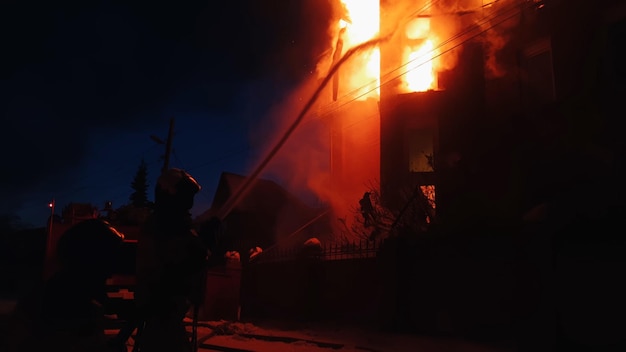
(328, 251)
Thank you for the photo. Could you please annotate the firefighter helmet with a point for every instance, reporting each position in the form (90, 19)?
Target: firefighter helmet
(175, 189)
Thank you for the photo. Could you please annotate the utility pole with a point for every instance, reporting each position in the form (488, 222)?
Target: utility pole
(168, 145)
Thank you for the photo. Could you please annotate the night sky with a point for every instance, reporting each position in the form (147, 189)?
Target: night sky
(85, 84)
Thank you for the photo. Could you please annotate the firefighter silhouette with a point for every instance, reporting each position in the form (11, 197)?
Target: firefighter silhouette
(367, 210)
(171, 263)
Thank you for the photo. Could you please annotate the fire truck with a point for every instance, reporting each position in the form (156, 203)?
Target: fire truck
(120, 286)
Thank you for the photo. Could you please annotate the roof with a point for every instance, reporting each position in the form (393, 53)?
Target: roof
(266, 213)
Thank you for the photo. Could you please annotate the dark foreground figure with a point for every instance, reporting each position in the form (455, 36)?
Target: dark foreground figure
(66, 314)
(171, 262)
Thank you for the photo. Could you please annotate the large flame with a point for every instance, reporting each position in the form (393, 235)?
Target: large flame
(355, 131)
(420, 75)
(361, 24)
(419, 56)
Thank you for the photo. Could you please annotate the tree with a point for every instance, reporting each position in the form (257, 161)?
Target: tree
(139, 197)
(375, 221)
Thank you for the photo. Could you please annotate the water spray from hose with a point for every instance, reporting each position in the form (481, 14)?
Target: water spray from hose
(242, 190)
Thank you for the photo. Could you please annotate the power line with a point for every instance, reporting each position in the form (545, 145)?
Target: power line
(449, 40)
(242, 189)
(413, 15)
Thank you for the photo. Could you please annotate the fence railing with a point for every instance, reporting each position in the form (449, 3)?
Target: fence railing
(328, 251)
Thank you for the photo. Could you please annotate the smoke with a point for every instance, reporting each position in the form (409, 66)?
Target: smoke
(298, 144)
(496, 26)
(325, 60)
(303, 156)
(494, 42)
(292, 126)
(453, 22)
(296, 133)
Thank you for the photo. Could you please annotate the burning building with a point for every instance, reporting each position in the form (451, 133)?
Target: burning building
(517, 102)
(443, 95)
(396, 110)
(441, 98)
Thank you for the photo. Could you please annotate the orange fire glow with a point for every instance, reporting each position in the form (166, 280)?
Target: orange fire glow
(420, 52)
(419, 59)
(420, 56)
(362, 24)
(336, 156)
(420, 75)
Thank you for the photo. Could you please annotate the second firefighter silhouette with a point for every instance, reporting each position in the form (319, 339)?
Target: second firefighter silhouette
(367, 210)
(171, 260)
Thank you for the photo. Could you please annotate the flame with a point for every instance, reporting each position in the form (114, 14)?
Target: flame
(419, 55)
(362, 24)
(420, 76)
(354, 143)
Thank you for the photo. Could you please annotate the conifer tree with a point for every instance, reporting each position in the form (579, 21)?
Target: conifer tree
(139, 197)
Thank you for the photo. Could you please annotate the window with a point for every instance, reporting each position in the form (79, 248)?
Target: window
(420, 150)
